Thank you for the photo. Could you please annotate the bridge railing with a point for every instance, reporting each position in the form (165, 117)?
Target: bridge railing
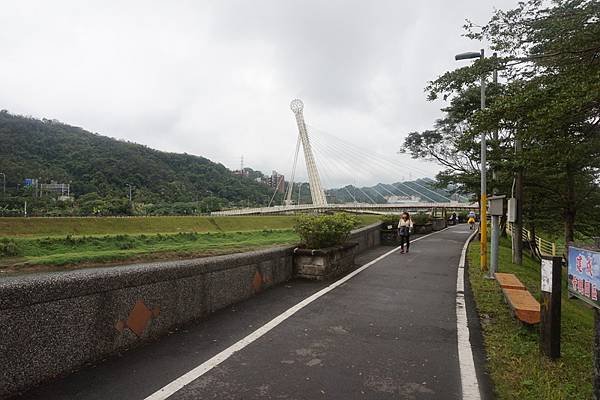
(347, 206)
(545, 247)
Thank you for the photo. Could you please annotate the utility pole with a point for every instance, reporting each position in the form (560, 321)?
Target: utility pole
(3, 184)
(495, 217)
(130, 188)
(483, 217)
(517, 231)
(483, 196)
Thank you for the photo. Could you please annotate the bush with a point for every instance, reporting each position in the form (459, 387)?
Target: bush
(9, 248)
(320, 231)
(390, 219)
(421, 218)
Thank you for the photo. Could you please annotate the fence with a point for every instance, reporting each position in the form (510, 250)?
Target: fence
(546, 247)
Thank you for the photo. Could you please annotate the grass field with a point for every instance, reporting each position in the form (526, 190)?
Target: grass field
(58, 253)
(40, 244)
(43, 227)
(516, 367)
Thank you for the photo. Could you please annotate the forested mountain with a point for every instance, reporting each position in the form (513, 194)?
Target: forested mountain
(101, 167)
(418, 190)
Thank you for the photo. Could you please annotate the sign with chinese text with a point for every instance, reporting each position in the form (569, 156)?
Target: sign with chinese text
(546, 275)
(584, 274)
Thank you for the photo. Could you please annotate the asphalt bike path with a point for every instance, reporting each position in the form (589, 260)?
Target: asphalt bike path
(387, 332)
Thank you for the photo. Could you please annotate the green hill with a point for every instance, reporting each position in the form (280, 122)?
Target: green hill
(99, 167)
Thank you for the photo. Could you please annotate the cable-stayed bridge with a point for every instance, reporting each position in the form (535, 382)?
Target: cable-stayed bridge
(341, 158)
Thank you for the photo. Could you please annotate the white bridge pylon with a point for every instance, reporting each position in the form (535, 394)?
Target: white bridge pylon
(317, 193)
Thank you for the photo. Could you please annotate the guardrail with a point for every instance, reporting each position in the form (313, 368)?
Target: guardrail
(545, 247)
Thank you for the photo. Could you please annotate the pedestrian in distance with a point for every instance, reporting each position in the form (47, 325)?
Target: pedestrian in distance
(405, 227)
(453, 219)
(471, 220)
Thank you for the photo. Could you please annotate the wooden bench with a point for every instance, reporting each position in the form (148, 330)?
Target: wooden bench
(509, 281)
(523, 305)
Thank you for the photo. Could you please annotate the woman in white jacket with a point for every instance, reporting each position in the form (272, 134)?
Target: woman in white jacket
(405, 227)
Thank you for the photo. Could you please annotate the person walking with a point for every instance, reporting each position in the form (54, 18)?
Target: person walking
(405, 227)
(471, 220)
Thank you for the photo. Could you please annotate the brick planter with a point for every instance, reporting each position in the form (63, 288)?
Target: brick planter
(321, 264)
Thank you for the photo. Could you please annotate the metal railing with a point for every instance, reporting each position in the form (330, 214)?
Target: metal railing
(545, 247)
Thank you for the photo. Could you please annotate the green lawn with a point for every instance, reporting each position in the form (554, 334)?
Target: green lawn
(516, 367)
(42, 227)
(31, 244)
(70, 251)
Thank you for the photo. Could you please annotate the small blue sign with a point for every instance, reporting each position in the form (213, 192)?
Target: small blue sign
(584, 274)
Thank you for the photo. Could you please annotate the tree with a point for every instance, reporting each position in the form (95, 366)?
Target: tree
(550, 58)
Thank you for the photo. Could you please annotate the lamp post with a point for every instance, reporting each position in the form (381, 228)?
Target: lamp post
(483, 200)
(130, 188)
(3, 184)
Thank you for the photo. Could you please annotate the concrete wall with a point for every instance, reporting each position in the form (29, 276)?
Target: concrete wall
(367, 237)
(52, 323)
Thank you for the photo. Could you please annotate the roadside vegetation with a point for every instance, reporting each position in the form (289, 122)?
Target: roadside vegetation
(39, 227)
(517, 369)
(37, 244)
(34, 254)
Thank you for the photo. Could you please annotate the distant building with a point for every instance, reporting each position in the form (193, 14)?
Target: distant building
(61, 190)
(402, 199)
(276, 180)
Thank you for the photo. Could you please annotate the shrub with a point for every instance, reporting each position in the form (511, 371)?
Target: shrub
(421, 218)
(390, 219)
(320, 231)
(9, 248)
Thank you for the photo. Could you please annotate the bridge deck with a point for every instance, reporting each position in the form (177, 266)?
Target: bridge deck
(351, 207)
(389, 332)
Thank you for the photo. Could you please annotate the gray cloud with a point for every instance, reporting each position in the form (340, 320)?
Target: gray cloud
(215, 78)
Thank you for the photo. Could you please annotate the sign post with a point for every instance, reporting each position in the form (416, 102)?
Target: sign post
(496, 210)
(550, 307)
(584, 283)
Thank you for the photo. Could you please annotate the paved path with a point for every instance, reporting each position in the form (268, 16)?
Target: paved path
(388, 333)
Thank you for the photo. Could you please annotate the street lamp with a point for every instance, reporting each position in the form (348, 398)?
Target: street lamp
(483, 213)
(3, 184)
(130, 187)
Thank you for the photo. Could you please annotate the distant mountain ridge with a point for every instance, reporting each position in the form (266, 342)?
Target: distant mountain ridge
(51, 150)
(417, 190)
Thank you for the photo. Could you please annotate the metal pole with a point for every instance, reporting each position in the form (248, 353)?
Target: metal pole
(3, 184)
(495, 218)
(483, 216)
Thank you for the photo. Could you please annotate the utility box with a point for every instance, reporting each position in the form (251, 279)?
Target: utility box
(496, 205)
(512, 210)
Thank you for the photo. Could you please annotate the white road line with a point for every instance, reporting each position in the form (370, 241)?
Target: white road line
(468, 377)
(173, 387)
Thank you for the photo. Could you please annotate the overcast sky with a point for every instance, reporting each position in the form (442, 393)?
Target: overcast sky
(215, 78)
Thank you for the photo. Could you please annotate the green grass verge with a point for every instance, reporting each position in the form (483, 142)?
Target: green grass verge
(42, 227)
(517, 369)
(94, 249)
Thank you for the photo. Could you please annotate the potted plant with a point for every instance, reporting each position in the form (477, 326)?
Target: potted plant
(389, 230)
(422, 223)
(325, 251)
